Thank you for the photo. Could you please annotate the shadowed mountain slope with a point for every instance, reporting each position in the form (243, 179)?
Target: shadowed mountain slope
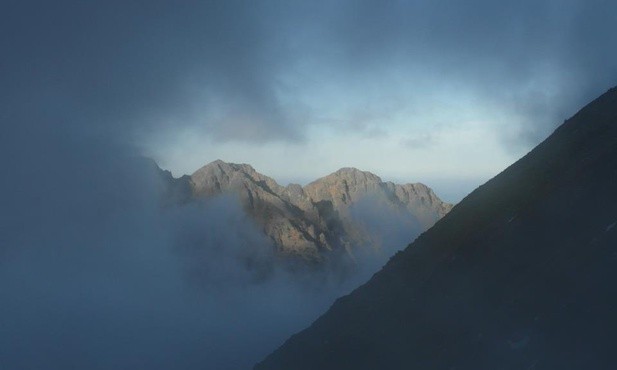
(522, 274)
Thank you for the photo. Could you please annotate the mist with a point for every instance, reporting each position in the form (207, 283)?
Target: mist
(96, 273)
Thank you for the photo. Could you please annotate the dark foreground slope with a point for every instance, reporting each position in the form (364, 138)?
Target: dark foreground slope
(522, 274)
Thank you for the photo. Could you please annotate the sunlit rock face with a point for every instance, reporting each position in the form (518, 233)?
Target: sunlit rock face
(319, 219)
(521, 274)
(348, 186)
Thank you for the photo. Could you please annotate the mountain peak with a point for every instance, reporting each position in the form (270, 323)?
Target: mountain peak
(220, 176)
(347, 176)
(227, 167)
(354, 171)
(349, 185)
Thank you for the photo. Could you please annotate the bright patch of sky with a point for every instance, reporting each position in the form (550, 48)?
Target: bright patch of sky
(451, 157)
(404, 130)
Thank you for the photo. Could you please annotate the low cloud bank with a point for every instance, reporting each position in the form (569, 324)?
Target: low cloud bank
(96, 274)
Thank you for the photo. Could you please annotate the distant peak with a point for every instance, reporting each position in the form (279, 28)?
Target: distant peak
(349, 170)
(347, 175)
(355, 173)
(227, 167)
(220, 162)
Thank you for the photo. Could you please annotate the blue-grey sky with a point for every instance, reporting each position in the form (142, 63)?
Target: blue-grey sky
(433, 91)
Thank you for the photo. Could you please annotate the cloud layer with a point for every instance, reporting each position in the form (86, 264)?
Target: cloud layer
(95, 274)
(264, 71)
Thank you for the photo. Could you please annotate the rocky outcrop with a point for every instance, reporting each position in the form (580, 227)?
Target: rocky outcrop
(348, 186)
(286, 214)
(317, 219)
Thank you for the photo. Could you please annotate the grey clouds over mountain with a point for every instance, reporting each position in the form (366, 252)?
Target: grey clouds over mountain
(217, 65)
(262, 82)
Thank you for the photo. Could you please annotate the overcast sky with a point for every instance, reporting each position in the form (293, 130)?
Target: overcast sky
(444, 92)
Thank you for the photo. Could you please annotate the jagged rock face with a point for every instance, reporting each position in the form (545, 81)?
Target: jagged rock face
(521, 274)
(348, 186)
(316, 219)
(294, 226)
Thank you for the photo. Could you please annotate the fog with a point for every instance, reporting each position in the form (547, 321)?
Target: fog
(97, 274)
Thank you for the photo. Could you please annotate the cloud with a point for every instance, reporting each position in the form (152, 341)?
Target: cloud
(391, 229)
(538, 60)
(95, 275)
(262, 72)
(419, 141)
(148, 64)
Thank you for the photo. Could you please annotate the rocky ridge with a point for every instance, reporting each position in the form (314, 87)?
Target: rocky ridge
(313, 220)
